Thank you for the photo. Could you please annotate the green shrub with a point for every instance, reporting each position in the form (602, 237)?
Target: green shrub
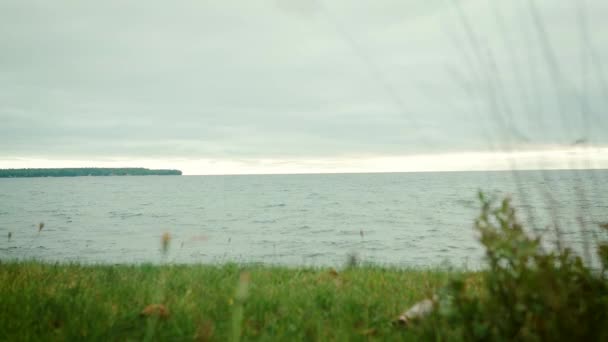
(528, 293)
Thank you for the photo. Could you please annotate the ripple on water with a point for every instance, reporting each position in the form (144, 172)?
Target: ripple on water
(349, 232)
(321, 231)
(314, 255)
(269, 221)
(276, 205)
(124, 215)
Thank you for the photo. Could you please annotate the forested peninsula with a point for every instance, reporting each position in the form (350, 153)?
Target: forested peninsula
(76, 172)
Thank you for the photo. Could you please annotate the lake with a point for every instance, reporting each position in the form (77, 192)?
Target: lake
(405, 219)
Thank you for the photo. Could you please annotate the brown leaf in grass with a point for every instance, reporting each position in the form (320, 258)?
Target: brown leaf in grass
(155, 310)
(369, 332)
(205, 331)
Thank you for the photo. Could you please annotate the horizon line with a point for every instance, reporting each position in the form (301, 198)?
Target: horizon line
(571, 158)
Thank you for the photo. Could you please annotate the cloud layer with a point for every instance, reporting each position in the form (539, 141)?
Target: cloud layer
(299, 79)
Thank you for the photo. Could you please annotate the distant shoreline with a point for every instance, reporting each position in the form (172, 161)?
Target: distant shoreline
(78, 172)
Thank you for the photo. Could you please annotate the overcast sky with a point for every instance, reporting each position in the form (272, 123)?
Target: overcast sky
(317, 85)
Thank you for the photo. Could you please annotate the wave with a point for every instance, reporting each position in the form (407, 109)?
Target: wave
(278, 205)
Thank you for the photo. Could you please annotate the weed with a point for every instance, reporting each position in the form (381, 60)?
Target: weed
(528, 293)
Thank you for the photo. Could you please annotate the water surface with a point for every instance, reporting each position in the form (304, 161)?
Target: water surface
(408, 219)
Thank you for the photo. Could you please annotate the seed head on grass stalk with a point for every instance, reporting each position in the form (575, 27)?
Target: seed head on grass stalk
(35, 236)
(165, 240)
(241, 294)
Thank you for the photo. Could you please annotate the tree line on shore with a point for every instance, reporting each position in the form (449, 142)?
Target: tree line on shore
(93, 171)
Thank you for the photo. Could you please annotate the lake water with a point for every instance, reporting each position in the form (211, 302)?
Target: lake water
(407, 219)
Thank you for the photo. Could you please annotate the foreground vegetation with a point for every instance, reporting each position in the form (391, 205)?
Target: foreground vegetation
(530, 292)
(527, 293)
(46, 301)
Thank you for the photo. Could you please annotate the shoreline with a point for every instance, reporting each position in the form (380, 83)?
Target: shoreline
(85, 172)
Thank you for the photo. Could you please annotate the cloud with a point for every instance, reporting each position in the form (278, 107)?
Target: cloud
(295, 79)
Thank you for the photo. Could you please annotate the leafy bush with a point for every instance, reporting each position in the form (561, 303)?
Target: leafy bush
(528, 293)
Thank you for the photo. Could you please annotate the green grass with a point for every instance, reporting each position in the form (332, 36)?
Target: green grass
(75, 302)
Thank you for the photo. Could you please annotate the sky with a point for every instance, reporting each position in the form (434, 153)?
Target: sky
(297, 86)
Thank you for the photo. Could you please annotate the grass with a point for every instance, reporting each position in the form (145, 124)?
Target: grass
(42, 301)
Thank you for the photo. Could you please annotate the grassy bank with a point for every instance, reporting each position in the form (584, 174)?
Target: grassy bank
(43, 301)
